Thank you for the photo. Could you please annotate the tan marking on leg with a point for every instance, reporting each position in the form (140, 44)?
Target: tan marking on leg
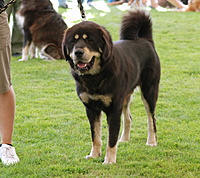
(32, 50)
(110, 155)
(96, 145)
(24, 53)
(125, 137)
(151, 139)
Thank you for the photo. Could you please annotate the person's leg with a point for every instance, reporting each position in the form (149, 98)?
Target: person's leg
(62, 3)
(154, 3)
(7, 96)
(7, 113)
(178, 4)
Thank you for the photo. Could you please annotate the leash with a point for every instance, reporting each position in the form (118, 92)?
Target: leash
(80, 5)
(6, 6)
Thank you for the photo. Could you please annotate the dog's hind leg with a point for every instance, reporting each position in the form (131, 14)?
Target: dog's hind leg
(95, 126)
(125, 137)
(151, 140)
(149, 97)
(50, 52)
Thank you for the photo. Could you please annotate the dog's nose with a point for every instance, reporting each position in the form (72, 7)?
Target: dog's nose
(79, 53)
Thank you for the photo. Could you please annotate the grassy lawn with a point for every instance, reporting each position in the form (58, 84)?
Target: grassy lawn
(52, 135)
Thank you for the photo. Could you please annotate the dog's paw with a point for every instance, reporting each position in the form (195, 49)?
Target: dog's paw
(122, 139)
(152, 144)
(107, 161)
(91, 156)
(23, 60)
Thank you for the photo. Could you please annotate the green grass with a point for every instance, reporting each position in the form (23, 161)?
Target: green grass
(52, 134)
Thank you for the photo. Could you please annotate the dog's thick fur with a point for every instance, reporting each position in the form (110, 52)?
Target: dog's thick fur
(107, 73)
(43, 28)
(193, 5)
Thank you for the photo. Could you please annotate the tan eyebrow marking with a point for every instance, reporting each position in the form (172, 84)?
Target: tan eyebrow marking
(85, 36)
(76, 36)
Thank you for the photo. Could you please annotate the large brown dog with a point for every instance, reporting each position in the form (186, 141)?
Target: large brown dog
(43, 28)
(107, 73)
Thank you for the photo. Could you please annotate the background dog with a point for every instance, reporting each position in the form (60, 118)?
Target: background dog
(107, 73)
(43, 28)
(193, 5)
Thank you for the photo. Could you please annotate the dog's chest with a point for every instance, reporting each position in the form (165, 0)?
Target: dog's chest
(86, 98)
(20, 20)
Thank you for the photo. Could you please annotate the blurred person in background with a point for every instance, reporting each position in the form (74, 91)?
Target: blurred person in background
(62, 3)
(177, 3)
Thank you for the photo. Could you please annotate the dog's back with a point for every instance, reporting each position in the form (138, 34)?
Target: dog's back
(136, 34)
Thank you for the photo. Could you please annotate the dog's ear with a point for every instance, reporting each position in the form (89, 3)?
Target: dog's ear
(108, 44)
(64, 46)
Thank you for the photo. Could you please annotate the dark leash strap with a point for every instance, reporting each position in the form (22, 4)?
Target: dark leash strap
(80, 5)
(6, 6)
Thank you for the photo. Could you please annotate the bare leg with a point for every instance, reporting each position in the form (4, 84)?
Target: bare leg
(178, 4)
(7, 113)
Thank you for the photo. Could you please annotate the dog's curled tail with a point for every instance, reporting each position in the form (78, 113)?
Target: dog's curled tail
(136, 24)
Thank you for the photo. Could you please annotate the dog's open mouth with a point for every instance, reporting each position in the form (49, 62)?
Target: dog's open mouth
(85, 66)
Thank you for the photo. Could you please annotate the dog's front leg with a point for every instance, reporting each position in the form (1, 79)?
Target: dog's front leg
(32, 50)
(113, 120)
(95, 126)
(25, 49)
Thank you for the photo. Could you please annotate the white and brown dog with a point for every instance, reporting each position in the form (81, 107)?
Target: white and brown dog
(43, 28)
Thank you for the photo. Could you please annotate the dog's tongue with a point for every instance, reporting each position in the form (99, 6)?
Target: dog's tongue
(81, 65)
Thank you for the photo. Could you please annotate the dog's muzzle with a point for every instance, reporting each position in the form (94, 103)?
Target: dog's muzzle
(85, 66)
(81, 63)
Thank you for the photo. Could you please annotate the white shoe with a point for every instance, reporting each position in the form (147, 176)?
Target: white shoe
(8, 154)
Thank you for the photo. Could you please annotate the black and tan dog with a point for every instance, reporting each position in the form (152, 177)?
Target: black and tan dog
(43, 28)
(107, 73)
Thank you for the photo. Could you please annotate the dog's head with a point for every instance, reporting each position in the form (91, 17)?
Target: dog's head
(87, 46)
